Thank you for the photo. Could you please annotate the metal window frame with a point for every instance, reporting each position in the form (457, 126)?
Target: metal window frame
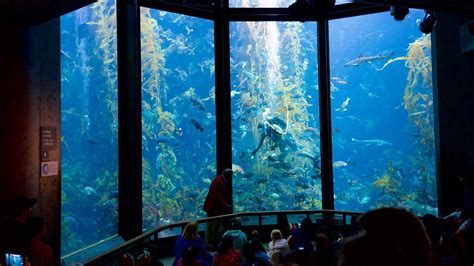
(129, 119)
(129, 77)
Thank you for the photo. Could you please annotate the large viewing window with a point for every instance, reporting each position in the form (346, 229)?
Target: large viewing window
(381, 94)
(260, 3)
(275, 116)
(382, 114)
(89, 129)
(178, 116)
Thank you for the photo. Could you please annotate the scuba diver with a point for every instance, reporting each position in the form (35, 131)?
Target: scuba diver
(274, 129)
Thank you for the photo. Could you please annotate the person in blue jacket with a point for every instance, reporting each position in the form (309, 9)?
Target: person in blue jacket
(190, 238)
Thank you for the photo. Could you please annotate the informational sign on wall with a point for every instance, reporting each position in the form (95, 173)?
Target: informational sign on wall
(48, 141)
(49, 168)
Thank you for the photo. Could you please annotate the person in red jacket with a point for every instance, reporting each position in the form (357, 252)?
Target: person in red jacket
(217, 203)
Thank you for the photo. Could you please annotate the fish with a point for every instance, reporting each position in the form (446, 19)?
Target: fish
(343, 106)
(313, 130)
(207, 181)
(367, 59)
(237, 169)
(342, 202)
(196, 124)
(372, 95)
(91, 141)
(66, 56)
(417, 113)
(339, 164)
(350, 117)
(274, 195)
(377, 142)
(197, 103)
(233, 93)
(188, 30)
(338, 80)
(89, 191)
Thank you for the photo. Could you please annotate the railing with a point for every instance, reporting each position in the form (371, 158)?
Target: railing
(154, 233)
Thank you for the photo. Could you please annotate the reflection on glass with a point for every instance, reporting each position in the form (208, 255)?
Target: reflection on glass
(178, 116)
(338, 2)
(275, 117)
(382, 115)
(261, 3)
(88, 126)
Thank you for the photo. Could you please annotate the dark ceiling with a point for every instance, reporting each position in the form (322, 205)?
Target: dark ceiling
(37, 11)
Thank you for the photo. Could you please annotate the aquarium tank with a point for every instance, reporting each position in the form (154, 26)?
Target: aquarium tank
(382, 113)
(89, 129)
(178, 115)
(381, 116)
(275, 116)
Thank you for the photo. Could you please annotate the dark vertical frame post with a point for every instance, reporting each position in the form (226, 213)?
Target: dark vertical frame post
(327, 184)
(449, 127)
(222, 73)
(129, 112)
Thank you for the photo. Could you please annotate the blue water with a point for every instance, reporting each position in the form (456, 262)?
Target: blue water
(376, 110)
(179, 136)
(274, 98)
(89, 157)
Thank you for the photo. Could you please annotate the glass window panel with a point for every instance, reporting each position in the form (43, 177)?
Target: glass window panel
(249, 220)
(338, 2)
(260, 3)
(317, 217)
(296, 218)
(89, 160)
(382, 114)
(192, 3)
(175, 231)
(202, 227)
(269, 219)
(275, 116)
(178, 116)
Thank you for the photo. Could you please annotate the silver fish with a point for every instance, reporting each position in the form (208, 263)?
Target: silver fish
(367, 59)
(377, 142)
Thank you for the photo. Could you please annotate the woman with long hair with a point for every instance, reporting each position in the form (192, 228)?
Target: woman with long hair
(277, 247)
(191, 239)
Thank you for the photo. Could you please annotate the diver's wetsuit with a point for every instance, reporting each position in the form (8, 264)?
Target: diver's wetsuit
(268, 130)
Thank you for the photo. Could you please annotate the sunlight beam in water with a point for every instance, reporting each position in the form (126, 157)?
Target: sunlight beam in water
(272, 46)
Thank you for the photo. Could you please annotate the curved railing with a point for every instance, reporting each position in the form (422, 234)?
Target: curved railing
(154, 233)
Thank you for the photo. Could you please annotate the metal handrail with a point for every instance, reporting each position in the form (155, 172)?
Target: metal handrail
(154, 232)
